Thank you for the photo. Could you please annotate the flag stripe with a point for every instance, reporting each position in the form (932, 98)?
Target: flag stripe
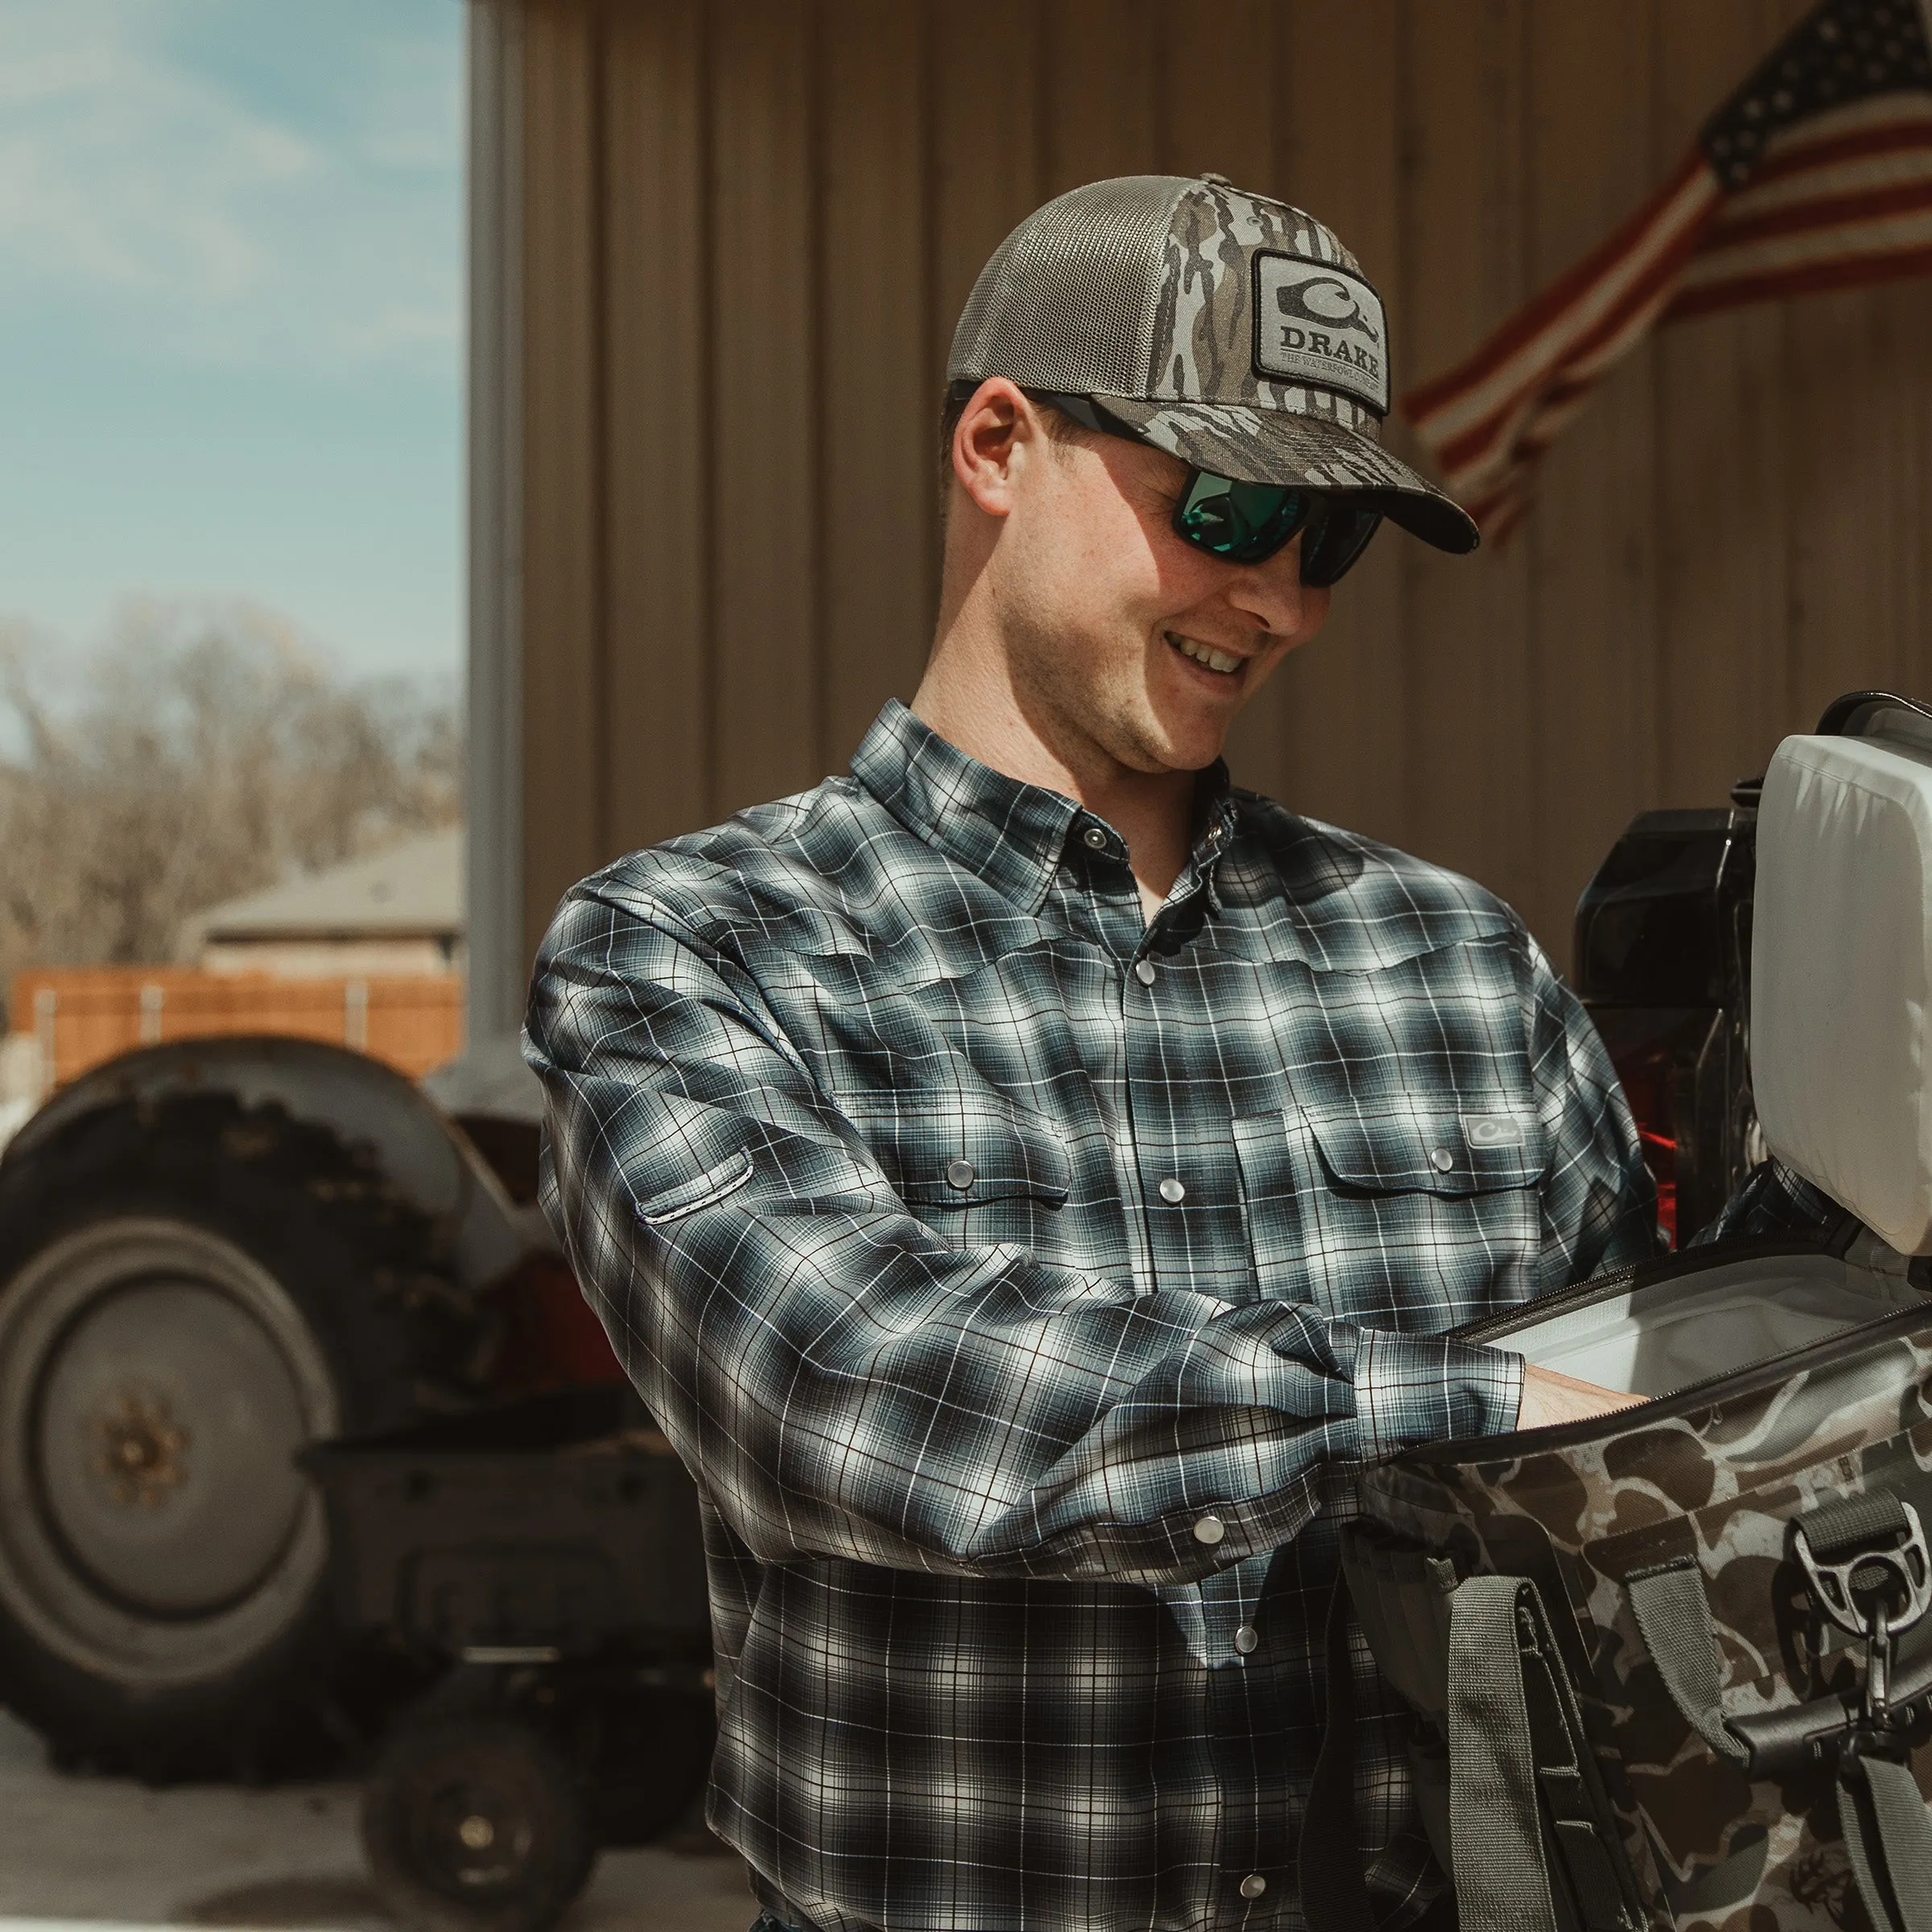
(1594, 348)
(1571, 301)
(1815, 234)
(1908, 159)
(1803, 279)
(1908, 135)
(1825, 212)
(1851, 130)
(1851, 255)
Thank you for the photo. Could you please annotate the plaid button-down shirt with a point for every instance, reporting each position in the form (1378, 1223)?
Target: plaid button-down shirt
(1011, 1272)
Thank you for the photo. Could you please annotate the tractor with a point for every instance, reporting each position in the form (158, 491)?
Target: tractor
(211, 1254)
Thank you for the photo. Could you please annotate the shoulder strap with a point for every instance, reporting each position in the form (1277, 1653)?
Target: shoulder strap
(1502, 1880)
(1528, 1812)
(1529, 1847)
(1586, 1879)
(1674, 1619)
(1888, 1837)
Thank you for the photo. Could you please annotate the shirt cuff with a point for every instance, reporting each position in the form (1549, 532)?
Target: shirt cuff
(1411, 1389)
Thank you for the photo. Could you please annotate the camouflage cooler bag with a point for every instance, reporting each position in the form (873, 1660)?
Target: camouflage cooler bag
(1672, 1668)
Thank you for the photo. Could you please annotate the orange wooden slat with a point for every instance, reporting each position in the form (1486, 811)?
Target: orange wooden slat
(1470, 644)
(1590, 753)
(1723, 492)
(414, 1022)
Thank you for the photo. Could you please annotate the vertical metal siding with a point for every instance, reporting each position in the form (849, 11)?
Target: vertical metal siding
(497, 972)
(747, 231)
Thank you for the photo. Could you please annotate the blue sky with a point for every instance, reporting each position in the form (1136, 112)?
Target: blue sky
(230, 316)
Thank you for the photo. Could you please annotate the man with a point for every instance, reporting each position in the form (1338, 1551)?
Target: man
(1022, 1176)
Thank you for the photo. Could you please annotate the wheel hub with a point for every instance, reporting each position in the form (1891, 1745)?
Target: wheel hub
(156, 1382)
(156, 1527)
(141, 1450)
(473, 1836)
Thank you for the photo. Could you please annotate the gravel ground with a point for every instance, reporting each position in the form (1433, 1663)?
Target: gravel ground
(83, 1853)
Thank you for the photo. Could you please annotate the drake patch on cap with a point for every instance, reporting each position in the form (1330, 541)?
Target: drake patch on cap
(1231, 330)
(1316, 323)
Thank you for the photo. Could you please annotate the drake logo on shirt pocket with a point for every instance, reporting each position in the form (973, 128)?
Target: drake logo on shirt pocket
(1493, 1130)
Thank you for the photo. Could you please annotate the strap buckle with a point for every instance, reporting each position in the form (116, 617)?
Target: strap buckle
(1873, 1585)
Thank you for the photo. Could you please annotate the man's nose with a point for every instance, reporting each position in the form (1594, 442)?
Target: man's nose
(1272, 592)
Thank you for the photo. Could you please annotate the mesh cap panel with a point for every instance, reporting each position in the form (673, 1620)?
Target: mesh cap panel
(1067, 301)
(1231, 329)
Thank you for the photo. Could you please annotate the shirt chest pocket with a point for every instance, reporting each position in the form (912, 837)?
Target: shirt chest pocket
(978, 1169)
(1412, 1212)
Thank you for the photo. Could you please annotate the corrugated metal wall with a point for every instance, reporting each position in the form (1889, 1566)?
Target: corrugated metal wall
(747, 230)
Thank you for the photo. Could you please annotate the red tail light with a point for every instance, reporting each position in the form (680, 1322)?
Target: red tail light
(1648, 1070)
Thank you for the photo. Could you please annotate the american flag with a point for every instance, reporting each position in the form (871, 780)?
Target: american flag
(1817, 173)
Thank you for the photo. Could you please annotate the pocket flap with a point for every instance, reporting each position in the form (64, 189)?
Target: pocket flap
(1448, 1144)
(701, 1191)
(946, 1150)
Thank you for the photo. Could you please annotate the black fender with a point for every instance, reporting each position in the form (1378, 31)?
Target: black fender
(425, 1155)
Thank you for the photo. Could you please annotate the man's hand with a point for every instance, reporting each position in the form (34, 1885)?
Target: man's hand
(1550, 1398)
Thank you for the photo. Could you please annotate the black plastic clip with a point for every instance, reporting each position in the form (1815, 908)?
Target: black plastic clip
(1852, 1576)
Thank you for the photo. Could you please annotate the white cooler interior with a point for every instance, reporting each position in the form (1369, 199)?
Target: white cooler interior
(1668, 1334)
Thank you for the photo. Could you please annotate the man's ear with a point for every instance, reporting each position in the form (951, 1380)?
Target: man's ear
(997, 430)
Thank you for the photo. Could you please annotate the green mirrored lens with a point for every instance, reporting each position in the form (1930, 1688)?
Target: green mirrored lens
(1244, 523)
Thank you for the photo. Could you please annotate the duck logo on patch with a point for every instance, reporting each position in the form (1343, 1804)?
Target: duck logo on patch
(1318, 323)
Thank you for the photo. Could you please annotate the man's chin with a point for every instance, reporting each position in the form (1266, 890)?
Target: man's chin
(1189, 728)
(1160, 748)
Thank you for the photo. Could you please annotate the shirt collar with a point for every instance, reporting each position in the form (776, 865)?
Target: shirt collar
(1012, 834)
(1217, 812)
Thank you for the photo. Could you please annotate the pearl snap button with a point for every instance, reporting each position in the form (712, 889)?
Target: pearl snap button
(1143, 971)
(1247, 1639)
(1173, 1191)
(959, 1174)
(1094, 839)
(1210, 1530)
(1442, 1160)
(1253, 1885)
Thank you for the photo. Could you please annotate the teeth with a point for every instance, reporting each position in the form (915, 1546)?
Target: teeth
(1202, 654)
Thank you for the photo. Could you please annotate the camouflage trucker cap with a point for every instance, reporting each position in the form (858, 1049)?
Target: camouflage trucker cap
(1231, 330)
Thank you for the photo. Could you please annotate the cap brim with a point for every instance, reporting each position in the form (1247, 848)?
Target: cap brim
(1276, 446)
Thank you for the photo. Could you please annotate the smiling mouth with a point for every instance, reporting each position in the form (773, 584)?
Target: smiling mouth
(1225, 664)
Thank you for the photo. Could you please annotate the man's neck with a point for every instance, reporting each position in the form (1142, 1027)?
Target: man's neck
(983, 716)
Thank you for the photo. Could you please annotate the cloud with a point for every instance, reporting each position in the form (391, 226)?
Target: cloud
(233, 181)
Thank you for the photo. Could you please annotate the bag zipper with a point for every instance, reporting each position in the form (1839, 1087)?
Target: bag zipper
(1600, 1287)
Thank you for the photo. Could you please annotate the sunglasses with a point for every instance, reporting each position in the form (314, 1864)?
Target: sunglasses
(1248, 522)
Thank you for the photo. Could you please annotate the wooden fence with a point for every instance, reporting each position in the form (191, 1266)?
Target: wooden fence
(81, 1016)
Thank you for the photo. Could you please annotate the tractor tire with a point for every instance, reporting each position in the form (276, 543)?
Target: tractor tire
(191, 1291)
(475, 1824)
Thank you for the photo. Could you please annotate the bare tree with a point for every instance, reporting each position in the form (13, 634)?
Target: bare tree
(202, 751)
